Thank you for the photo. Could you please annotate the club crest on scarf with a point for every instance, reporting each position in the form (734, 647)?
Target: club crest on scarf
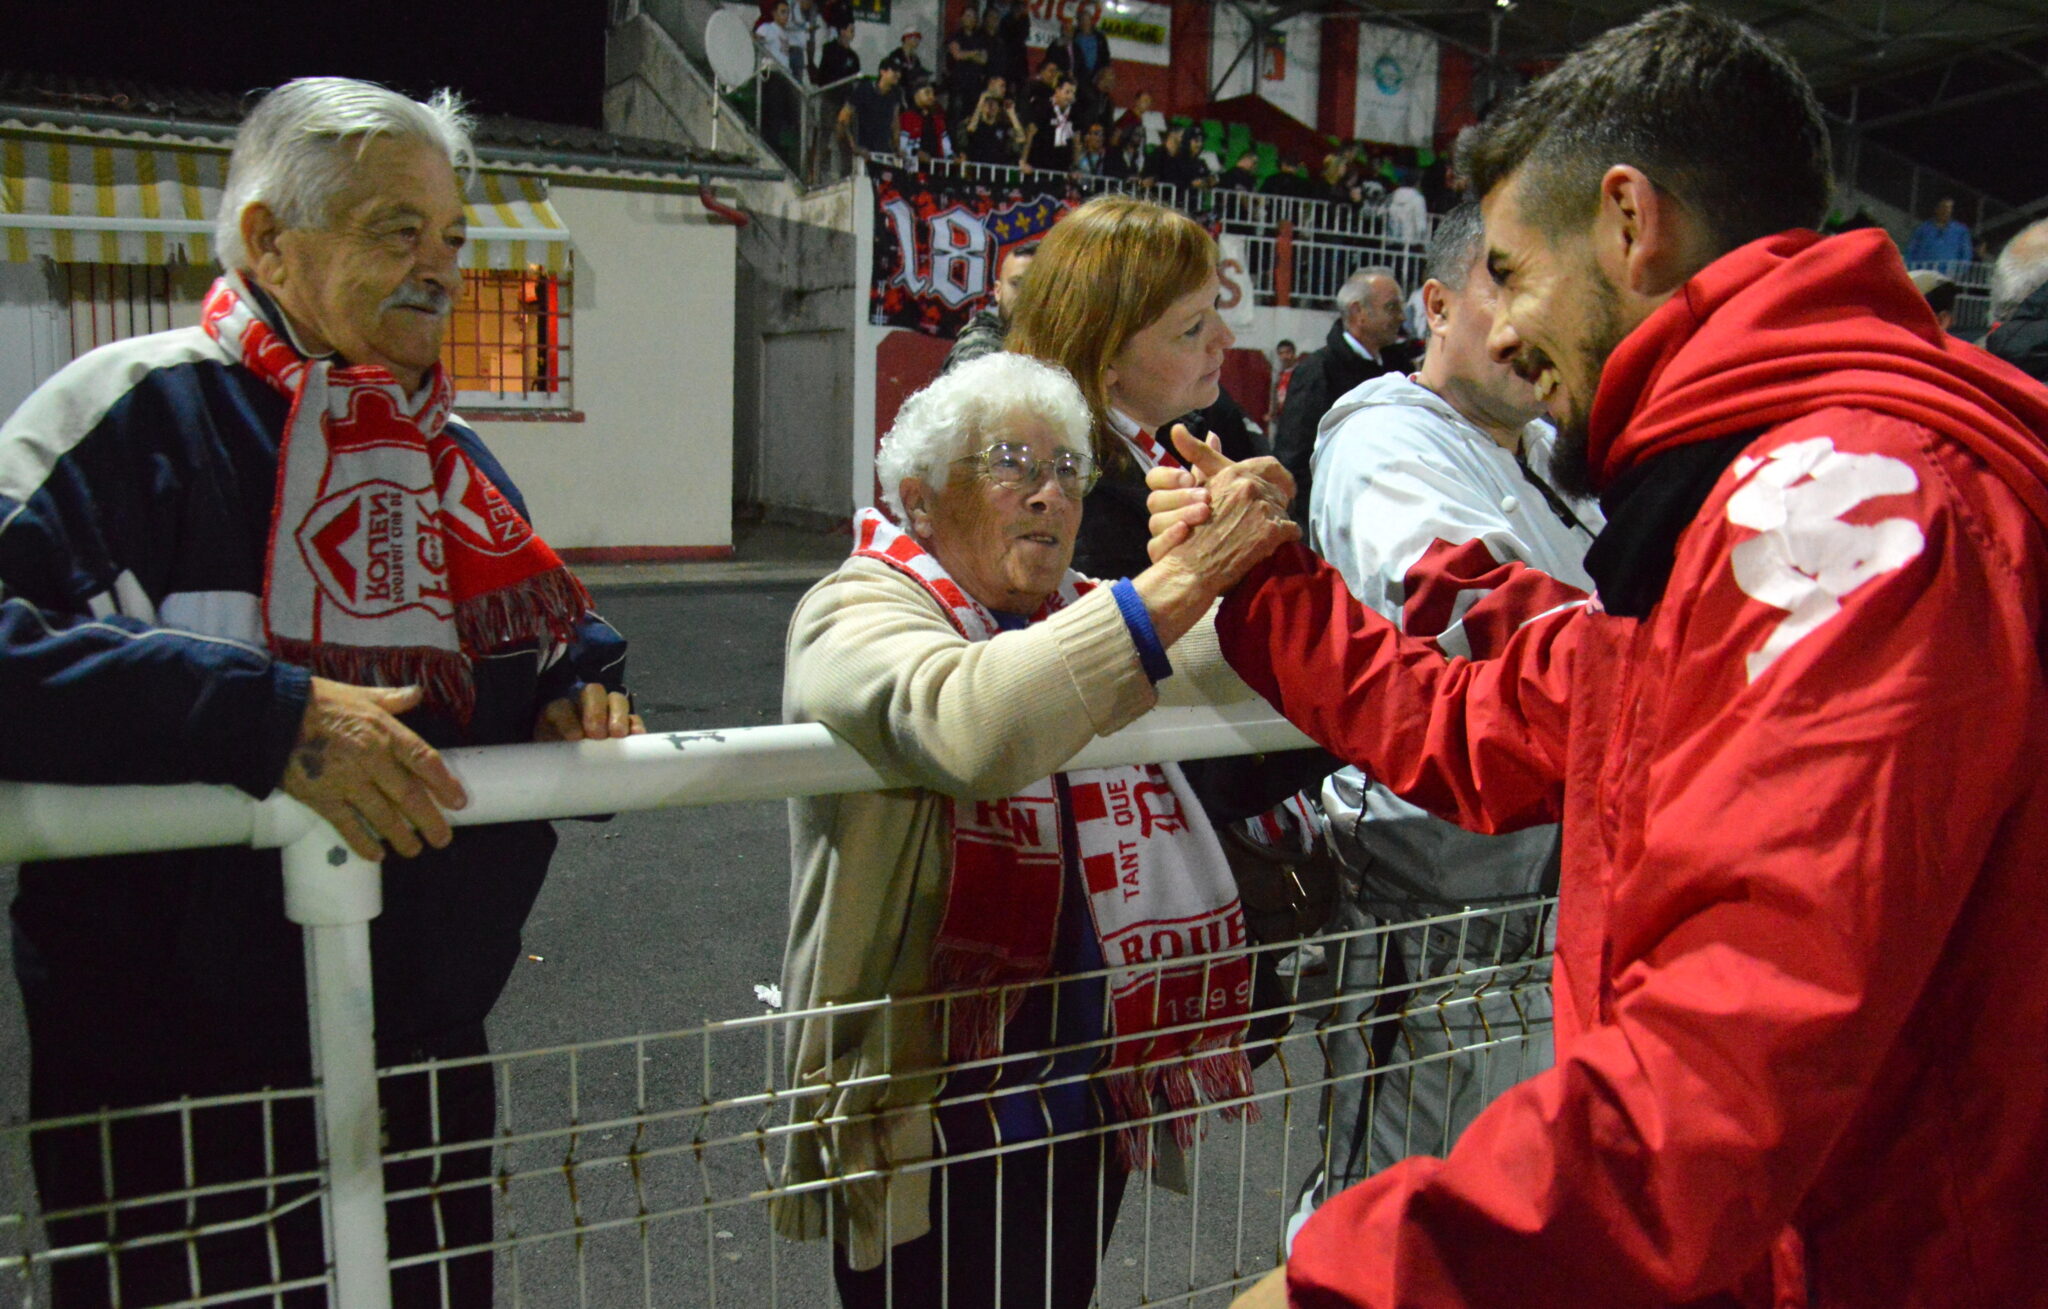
(393, 558)
(1158, 890)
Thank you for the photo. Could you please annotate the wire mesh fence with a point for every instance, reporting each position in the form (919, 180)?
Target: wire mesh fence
(651, 1169)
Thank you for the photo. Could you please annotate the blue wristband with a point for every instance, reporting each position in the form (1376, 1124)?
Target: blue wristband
(1151, 655)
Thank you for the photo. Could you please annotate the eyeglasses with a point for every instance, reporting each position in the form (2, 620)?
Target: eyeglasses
(1011, 465)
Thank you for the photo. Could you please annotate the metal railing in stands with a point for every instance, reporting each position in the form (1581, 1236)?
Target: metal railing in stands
(629, 1169)
(1011, 177)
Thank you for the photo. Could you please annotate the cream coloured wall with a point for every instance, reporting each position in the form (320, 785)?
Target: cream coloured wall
(649, 470)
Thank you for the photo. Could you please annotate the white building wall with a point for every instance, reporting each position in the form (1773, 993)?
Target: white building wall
(650, 467)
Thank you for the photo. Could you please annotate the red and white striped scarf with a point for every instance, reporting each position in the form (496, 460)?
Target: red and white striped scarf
(392, 560)
(1158, 889)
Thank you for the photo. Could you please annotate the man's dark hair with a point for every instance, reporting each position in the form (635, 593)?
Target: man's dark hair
(1714, 113)
(1284, 341)
(1455, 245)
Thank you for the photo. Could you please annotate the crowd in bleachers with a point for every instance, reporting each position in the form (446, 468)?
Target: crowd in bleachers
(991, 101)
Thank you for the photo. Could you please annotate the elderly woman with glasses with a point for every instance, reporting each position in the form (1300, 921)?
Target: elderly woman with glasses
(964, 659)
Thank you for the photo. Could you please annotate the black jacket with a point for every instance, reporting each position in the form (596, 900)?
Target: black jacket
(1319, 379)
(2022, 339)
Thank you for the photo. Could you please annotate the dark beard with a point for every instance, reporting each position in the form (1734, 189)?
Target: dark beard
(1571, 468)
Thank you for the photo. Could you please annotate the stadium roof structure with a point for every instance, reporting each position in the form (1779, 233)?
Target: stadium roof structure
(1951, 84)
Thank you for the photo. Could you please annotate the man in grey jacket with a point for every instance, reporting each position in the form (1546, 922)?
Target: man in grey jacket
(1429, 491)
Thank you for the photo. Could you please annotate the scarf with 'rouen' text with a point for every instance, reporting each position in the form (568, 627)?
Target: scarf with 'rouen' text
(1158, 890)
(393, 560)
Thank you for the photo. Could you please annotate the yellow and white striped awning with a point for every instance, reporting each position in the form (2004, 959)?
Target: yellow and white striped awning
(76, 202)
(95, 204)
(512, 225)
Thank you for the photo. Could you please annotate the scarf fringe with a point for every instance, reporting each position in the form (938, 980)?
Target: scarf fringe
(444, 677)
(980, 999)
(550, 601)
(1200, 1079)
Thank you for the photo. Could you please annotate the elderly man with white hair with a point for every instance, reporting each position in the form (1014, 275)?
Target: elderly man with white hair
(962, 656)
(262, 552)
(2019, 302)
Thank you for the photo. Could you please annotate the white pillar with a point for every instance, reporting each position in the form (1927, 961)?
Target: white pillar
(334, 895)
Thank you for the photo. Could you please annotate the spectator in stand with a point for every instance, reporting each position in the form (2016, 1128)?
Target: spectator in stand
(905, 61)
(1336, 185)
(1940, 243)
(921, 128)
(984, 332)
(1178, 165)
(771, 34)
(966, 64)
(806, 27)
(1285, 357)
(993, 135)
(1126, 153)
(1149, 122)
(1091, 48)
(1092, 159)
(1007, 24)
(1293, 182)
(1039, 93)
(1061, 52)
(2019, 302)
(1241, 175)
(1408, 215)
(1050, 135)
(1368, 323)
(1096, 100)
(868, 122)
(838, 60)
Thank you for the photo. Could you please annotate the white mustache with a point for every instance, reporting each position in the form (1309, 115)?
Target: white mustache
(435, 300)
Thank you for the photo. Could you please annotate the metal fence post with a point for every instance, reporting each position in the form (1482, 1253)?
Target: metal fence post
(333, 895)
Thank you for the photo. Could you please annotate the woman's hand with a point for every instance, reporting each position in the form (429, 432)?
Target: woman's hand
(1181, 498)
(1241, 509)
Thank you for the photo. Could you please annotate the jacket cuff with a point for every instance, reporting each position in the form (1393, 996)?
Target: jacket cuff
(261, 769)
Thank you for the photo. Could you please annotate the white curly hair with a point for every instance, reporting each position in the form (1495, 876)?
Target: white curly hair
(966, 409)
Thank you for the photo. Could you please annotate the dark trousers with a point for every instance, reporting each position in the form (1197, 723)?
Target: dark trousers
(988, 1244)
(75, 1069)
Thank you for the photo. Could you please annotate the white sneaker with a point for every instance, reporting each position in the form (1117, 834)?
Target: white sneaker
(1306, 961)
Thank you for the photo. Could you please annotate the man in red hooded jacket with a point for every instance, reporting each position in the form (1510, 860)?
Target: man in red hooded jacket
(1795, 742)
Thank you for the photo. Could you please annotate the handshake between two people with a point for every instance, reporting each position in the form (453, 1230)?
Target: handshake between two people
(1211, 523)
(1224, 515)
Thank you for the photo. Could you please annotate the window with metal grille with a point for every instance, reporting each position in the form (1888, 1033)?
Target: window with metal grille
(508, 341)
(104, 303)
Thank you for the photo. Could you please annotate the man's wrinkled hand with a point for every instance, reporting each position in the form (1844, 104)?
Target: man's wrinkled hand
(1269, 1292)
(596, 715)
(367, 773)
(1218, 516)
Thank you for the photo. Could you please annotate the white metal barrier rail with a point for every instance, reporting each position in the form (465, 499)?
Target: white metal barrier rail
(649, 1161)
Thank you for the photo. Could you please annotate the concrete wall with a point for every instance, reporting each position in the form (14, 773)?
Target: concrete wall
(648, 472)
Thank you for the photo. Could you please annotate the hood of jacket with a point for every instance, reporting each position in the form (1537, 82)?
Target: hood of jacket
(1796, 323)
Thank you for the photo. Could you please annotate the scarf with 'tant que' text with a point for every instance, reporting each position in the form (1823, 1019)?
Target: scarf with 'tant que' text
(1158, 890)
(393, 560)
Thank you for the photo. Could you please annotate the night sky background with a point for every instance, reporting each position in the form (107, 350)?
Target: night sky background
(535, 60)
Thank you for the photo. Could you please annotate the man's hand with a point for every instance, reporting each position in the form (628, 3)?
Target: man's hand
(1269, 1292)
(599, 715)
(367, 773)
(1183, 499)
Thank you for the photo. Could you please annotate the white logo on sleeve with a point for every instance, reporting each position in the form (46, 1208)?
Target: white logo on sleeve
(1805, 558)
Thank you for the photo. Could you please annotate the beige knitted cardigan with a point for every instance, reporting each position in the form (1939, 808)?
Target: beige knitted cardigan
(871, 656)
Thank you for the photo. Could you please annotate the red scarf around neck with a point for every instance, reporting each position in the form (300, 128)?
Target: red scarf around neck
(393, 560)
(1157, 888)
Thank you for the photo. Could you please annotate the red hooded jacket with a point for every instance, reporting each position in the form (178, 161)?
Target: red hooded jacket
(1800, 986)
